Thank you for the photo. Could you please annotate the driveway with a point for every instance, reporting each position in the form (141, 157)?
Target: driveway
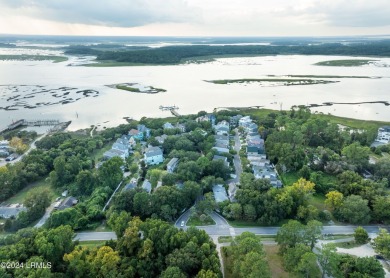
(45, 216)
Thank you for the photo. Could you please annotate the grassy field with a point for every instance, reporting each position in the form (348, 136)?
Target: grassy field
(128, 88)
(97, 154)
(289, 178)
(275, 262)
(348, 244)
(329, 76)
(101, 64)
(318, 201)
(92, 243)
(225, 239)
(24, 57)
(345, 63)
(195, 221)
(226, 262)
(21, 195)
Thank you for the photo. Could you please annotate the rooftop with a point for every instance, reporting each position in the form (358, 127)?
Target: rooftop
(153, 151)
(220, 194)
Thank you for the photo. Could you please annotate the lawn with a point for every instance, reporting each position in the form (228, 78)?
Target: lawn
(98, 154)
(289, 178)
(195, 221)
(348, 244)
(318, 201)
(225, 239)
(21, 195)
(92, 243)
(227, 261)
(275, 262)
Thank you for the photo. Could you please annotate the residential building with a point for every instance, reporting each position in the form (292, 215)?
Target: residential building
(153, 156)
(147, 186)
(207, 118)
(245, 121)
(68, 202)
(168, 125)
(145, 131)
(222, 158)
(115, 153)
(4, 144)
(181, 127)
(136, 134)
(221, 148)
(4, 153)
(253, 149)
(161, 138)
(220, 194)
(222, 128)
(121, 147)
(383, 135)
(223, 139)
(131, 185)
(172, 164)
(234, 120)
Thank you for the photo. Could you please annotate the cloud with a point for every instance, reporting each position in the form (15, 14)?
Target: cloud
(115, 13)
(343, 13)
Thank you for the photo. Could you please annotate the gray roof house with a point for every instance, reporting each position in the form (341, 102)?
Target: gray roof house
(144, 130)
(222, 158)
(172, 164)
(168, 126)
(153, 156)
(147, 186)
(67, 203)
(114, 153)
(131, 185)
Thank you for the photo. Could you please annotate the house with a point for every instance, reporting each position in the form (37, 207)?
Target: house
(181, 127)
(222, 158)
(245, 121)
(114, 153)
(253, 149)
(161, 138)
(222, 128)
(4, 153)
(153, 156)
(131, 185)
(145, 131)
(234, 120)
(172, 164)
(132, 142)
(147, 186)
(121, 147)
(252, 127)
(4, 144)
(136, 134)
(207, 118)
(221, 148)
(383, 135)
(67, 203)
(223, 139)
(168, 125)
(11, 211)
(220, 194)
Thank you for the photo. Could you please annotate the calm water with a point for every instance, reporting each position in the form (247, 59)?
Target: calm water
(186, 88)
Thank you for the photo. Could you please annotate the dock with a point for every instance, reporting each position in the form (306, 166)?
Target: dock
(23, 122)
(172, 108)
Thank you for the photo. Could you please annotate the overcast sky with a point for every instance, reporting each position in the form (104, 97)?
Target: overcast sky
(195, 17)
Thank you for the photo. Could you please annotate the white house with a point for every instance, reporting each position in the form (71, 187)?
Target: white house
(153, 156)
(220, 194)
(168, 125)
(384, 135)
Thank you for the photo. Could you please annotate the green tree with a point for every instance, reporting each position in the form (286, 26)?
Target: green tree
(289, 235)
(312, 232)
(327, 258)
(382, 243)
(119, 222)
(110, 173)
(360, 235)
(355, 210)
(357, 155)
(173, 272)
(36, 203)
(308, 265)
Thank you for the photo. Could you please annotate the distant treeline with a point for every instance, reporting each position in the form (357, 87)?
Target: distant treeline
(176, 54)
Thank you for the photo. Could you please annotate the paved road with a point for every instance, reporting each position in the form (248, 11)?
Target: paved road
(45, 216)
(220, 230)
(87, 236)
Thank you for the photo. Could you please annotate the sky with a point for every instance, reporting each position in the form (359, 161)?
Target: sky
(195, 17)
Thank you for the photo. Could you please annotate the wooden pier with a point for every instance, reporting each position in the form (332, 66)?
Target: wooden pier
(24, 122)
(170, 108)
